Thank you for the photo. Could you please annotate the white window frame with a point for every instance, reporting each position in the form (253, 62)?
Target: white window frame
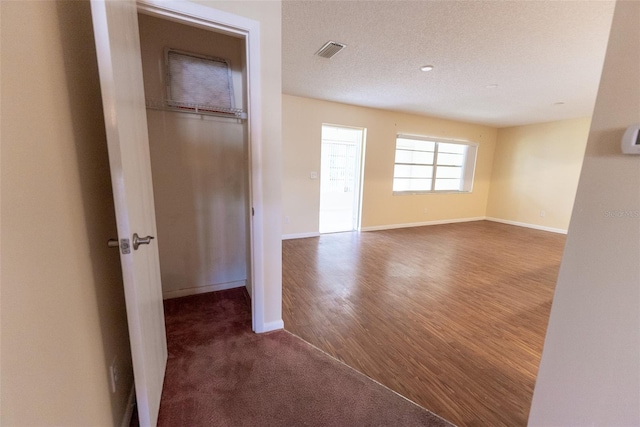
(468, 166)
(227, 106)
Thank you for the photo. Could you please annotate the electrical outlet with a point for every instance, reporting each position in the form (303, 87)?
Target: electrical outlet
(313, 175)
(114, 375)
(425, 210)
(543, 213)
(287, 220)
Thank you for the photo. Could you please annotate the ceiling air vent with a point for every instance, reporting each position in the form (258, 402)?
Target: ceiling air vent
(330, 49)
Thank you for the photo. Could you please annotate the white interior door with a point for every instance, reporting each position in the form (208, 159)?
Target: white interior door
(115, 25)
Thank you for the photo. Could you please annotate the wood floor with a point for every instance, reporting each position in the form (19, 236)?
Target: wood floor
(452, 316)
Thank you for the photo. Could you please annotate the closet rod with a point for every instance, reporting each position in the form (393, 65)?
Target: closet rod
(207, 110)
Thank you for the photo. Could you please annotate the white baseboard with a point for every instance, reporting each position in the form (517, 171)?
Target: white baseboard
(421, 224)
(436, 222)
(128, 412)
(524, 224)
(203, 289)
(276, 325)
(299, 236)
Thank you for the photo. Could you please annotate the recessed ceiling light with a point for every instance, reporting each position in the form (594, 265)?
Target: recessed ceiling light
(558, 103)
(492, 86)
(426, 67)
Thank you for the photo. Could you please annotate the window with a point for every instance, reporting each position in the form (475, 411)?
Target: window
(430, 165)
(197, 82)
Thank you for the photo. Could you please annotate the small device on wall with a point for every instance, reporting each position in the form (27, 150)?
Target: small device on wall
(631, 140)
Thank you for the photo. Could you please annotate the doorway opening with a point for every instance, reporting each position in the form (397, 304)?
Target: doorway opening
(341, 178)
(195, 90)
(120, 54)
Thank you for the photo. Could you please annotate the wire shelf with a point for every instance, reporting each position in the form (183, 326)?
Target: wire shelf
(184, 107)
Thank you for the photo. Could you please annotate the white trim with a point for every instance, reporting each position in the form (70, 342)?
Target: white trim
(203, 289)
(422, 224)
(437, 222)
(526, 225)
(436, 139)
(239, 26)
(276, 325)
(254, 108)
(299, 235)
(361, 146)
(196, 15)
(128, 411)
(455, 220)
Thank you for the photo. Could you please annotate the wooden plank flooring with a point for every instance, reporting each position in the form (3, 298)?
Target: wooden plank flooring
(451, 316)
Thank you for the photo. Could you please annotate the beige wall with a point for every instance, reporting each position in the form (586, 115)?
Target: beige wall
(269, 15)
(536, 168)
(199, 169)
(302, 123)
(590, 368)
(63, 316)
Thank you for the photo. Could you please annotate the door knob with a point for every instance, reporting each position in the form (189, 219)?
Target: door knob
(137, 240)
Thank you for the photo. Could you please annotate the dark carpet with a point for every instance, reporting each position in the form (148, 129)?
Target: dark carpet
(220, 373)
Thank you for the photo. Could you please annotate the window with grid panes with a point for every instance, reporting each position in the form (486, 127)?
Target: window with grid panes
(426, 165)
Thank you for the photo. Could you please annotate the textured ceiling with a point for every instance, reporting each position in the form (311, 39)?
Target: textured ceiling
(539, 53)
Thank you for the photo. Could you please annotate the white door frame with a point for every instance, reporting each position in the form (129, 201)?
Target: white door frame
(360, 172)
(237, 26)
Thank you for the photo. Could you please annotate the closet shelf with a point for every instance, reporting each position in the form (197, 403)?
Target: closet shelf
(183, 107)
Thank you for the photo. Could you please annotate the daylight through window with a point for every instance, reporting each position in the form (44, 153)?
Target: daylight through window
(196, 81)
(430, 165)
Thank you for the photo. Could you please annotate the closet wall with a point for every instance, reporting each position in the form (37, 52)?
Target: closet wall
(199, 166)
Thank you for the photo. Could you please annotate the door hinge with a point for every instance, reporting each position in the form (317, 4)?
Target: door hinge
(253, 212)
(125, 247)
(122, 244)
